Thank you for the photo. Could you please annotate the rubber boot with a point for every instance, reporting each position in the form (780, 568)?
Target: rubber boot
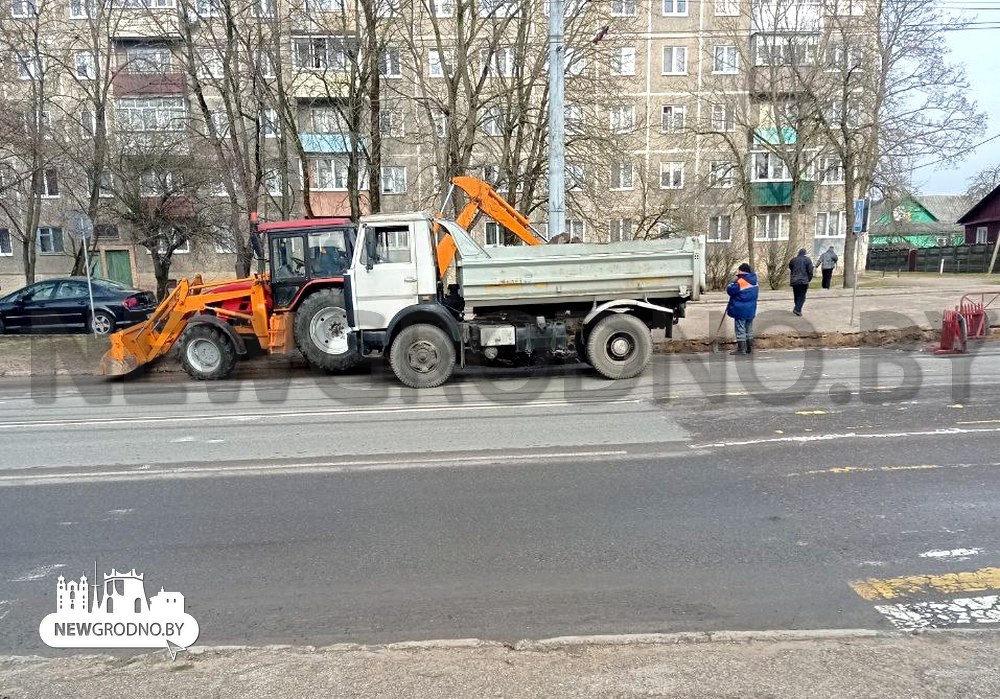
(749, 345)
(741, 347)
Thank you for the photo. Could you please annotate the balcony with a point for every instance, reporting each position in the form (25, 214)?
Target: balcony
(148, 84)
(780, 193)
(326, 142)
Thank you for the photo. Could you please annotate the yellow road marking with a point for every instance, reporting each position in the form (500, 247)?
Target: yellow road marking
(949, 583)
(870, 469)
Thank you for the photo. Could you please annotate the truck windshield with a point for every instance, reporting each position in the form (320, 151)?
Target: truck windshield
(328, 253)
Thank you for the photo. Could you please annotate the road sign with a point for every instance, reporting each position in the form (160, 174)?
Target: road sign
(861, 209)
(83, 227)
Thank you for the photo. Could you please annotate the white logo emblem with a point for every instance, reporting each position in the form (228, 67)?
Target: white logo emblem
(117, 615)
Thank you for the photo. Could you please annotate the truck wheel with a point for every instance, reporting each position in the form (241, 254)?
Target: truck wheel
(422, 356)
(207, 353)
(619, 346)
(322, 332)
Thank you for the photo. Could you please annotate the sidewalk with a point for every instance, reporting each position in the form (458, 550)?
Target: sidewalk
(783, 665)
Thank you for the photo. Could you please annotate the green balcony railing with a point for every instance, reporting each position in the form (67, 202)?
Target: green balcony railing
(780, 193)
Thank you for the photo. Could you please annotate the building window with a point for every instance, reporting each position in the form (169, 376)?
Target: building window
(784, 50)
(387, 8)
(620, 230)
(831, 171)
(88, 124)
(499, 8)
(675, 7)
(623, 118)
(493, 121)
(81, 9)
(442, 8)
(496, 235)
(150, 113)
(440, 63)
(265, 65)
(153, 183)
(622, 176)
(982, 235)
(391, 123)
(675, 60)
(441, 124)
(623, 61)
(575, 63)
(106, 185)
(499, 62)
(727, 8)
(723, 119)
(577, 229)
(149, 60)
(672, 118)
(768, 166)
(831, 224)
(269, 123)
(29, 67)
(623, 8)
(321, 53)
(727, 60)
(6, 250)
(491, 174)
(842, 56)
(576, 177)
(390, 63)
(771, 227)
(393, 179)
(50, 240)
(22, 9)
(84, 65)
(274, 183)
(720, 229)
(210, 64)
(106, 231)
(329, 174)
(671, 175)
(573, 118)
(721, 174)
(48, 184)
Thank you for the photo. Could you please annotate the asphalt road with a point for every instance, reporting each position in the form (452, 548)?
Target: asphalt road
(709, 494)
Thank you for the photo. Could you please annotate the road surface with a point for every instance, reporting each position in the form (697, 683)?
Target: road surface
(802, 490)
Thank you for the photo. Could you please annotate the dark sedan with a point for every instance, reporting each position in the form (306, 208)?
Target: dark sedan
(63, 305)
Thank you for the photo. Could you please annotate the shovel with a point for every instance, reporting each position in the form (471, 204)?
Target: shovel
(715, 338)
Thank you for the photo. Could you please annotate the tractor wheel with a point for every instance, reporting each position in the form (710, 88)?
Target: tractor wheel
(323, 334)
(619, 346)
(422, 356)
(206, 353)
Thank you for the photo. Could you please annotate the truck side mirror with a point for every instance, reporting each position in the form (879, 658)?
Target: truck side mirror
(371, 249)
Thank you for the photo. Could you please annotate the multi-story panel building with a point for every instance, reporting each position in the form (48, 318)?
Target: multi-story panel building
(170, 120)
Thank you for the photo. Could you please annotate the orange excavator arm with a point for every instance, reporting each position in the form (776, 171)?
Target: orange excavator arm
(483, 199)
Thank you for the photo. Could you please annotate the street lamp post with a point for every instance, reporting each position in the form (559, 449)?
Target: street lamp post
(557, 123)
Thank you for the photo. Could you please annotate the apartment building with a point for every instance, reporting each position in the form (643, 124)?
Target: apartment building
(676, 111)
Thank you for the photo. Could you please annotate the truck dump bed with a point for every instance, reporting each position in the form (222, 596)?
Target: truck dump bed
(654, 269)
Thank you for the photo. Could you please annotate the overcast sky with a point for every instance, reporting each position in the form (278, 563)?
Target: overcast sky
(979, 50)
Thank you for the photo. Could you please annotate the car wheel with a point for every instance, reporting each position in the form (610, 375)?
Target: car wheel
(102, 323)
(206, 353)
(619, 346)
(422, 356)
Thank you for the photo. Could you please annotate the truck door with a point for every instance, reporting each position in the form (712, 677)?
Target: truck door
(385, 280)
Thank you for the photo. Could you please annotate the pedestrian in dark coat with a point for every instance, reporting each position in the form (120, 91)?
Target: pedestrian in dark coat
(742, 307)
(801, 269)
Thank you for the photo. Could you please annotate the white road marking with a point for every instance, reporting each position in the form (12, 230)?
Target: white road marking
(182, 439)
(115, 515)
(38, 572)
(305, 467)
(843, 436)
(297, 414)
(4, 608)
(953, 554)
(936, 615)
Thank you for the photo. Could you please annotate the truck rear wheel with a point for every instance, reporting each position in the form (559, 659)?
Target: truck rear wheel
(206, 353)
(619, 346)
(422, 356)
(323, 334)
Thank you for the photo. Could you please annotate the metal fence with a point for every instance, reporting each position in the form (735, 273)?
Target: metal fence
(953, 258)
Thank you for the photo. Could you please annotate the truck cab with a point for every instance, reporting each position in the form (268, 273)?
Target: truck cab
(305, 254)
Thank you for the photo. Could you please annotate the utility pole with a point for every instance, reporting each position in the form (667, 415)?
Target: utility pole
(557, 121)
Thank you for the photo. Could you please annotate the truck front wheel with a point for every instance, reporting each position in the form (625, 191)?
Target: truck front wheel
(619, 346)
(422, 356)
(206, 353)
(323, 334)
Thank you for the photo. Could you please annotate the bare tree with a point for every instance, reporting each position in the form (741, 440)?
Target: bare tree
(983, 182)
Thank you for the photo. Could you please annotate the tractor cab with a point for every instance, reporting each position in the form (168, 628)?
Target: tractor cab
(300, 252)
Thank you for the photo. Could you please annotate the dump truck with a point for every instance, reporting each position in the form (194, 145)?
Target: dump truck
(339, 292)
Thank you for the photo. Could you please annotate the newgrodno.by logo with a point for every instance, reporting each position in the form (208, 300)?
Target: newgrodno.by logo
(117, 615)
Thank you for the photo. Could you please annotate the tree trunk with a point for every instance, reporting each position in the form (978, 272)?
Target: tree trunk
(374, 163)
(850, 240)
(161, 270)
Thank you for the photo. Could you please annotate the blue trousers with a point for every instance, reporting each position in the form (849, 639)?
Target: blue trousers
(744, 329)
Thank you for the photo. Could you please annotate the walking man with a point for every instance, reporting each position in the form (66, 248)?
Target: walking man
(801, 268)
(828, 263)
(742, 307)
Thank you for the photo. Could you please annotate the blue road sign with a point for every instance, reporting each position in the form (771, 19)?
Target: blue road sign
(860, 216)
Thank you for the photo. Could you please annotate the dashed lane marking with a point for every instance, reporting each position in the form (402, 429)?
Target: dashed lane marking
(844, 436)
(952, 554)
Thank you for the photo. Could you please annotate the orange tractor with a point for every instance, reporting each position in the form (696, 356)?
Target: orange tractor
(302, 301)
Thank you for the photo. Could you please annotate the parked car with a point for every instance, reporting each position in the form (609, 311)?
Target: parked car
(63, 305)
